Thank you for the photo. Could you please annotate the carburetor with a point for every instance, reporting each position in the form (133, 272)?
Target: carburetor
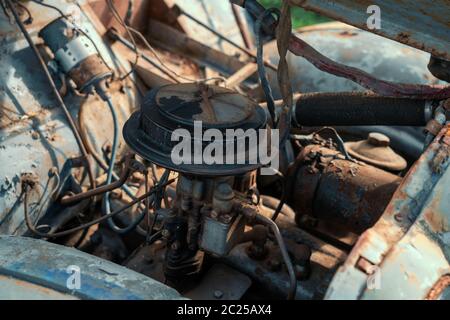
(205, 215)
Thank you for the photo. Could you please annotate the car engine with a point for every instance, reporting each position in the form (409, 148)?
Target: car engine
(160, 150)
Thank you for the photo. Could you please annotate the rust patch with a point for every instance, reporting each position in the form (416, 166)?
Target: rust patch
(435, 221)
(347, 34)
(438, 288)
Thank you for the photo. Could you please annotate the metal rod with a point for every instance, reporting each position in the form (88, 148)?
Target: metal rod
(224, 38)
(284, 253)
(115, 36)
(246, 37)
(33, 229)
(93, 192)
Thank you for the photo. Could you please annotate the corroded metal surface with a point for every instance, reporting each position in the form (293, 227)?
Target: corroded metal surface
(342, 192)
(34, 135)
(421, 24)
(45, 264)
(409, 245)
(270, 273)
(387, 60)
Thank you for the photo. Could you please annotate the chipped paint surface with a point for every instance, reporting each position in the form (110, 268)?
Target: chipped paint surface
(419, 24)
(44, 264)
(34, 134)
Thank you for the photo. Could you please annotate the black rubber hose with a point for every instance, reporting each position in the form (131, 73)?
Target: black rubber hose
(358, 109)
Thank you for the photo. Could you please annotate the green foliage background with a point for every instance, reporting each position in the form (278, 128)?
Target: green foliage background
(300, 17)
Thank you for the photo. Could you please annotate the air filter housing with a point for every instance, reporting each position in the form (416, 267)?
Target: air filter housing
(192, 110)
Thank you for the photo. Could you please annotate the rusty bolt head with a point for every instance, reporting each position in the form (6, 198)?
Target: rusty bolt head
(256, 252)
(378, 139)
(398, 217)
(226, 218)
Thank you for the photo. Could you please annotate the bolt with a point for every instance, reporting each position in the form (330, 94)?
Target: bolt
(214, 214)
(224, 192)
(218, 294)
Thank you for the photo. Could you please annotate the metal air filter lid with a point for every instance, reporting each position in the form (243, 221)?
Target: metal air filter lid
(184, 106)
(376, 151)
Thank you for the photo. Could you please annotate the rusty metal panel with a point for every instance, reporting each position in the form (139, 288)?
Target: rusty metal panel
(217, 15)
(421, 24)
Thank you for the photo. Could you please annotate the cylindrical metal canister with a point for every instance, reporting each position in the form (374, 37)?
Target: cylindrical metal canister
(351, 194)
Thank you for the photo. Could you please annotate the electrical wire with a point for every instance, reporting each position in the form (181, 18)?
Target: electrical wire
(29, 20)
(153, 51)
(260, 62)
(157, 205)
(106, 198)
(284, 253)
(222, 37)
(283, 199)
(340, 142)
(55, 92)
(34, 230)
(131, 30)
(94, 153)
(117, 16)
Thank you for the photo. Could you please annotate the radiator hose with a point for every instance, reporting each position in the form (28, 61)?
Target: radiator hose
(359, 109)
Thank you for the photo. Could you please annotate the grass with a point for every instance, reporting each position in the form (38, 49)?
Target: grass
(300, 17)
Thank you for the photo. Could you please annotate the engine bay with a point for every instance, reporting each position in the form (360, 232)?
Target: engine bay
(158, 164)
